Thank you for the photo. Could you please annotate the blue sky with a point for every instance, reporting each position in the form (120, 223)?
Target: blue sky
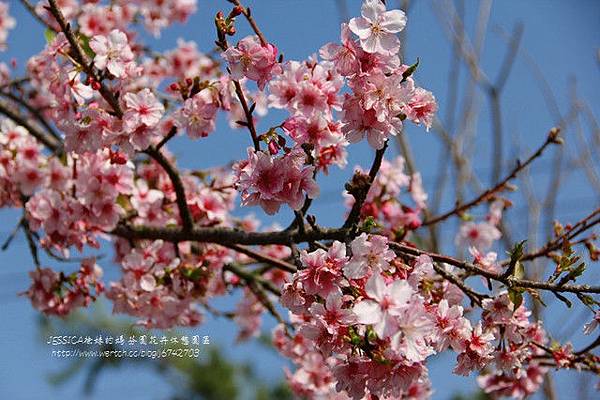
(563, 38)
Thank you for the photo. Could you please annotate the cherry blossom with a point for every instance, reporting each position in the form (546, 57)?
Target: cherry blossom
(367, 303)
(377, 28)
(112, 52)
(6, 23)
(198, 114)
(55, 293)
(143, 110)
(254, 60)
(593, 324)
(268, 181)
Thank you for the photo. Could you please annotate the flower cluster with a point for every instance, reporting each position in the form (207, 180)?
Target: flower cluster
(383, 93)
(22, 169)
(517, 373)
(309, 91)
(81, 200)
(363, 322)
(271, 181)
(158, 288)
(95, 18)
(369, 322)
(55, 293)
(254, 60)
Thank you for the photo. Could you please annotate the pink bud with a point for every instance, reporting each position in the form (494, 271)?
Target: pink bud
(273, 147)
(237, 10)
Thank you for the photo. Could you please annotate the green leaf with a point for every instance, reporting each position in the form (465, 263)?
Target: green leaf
(410, 70)
(587, 300)
(516, 297)
(517, 252)
(123, 201)
(84, 41)
(573, 274)
(515, 268)
(49, 34)
(369, 224)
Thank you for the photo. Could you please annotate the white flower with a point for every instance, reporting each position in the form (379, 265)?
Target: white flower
(112, 52)
(143, 108)
(387, 301)
(377, 28)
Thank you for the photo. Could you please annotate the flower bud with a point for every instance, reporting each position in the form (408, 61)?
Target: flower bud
(273, 147)
(237, 10)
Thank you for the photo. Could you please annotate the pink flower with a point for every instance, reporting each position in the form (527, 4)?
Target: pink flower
(270, 182)
(342, 55)
(383, 304)
(59, 294)
(498, 310)
(592, 325)
(421, 108)
(563, 355)
(142, 108)
(80, 92)
(332, 314)
(112, 52)
(377, 28)
(198, 114)
(486, 261)
(30, 177)
(518, 385)
(369, 254)
(414, 331)
(6, 23)
(479, 235)
(360, 122)
(253, 60)
(322, 271)
(480, 341)
(452, 328)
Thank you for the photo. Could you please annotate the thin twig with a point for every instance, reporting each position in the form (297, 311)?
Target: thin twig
(552, 138)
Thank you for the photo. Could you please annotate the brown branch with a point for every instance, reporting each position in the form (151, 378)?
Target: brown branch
(184, 211)
(258, 256)
(228, 237)
(508, 281)
(552, 138)
(249, 277)
(360, 193)
(580, 227)
(36, 113)
(168, 137)
(248, 14)
(589, 347)
(248, 114)
(49, 142)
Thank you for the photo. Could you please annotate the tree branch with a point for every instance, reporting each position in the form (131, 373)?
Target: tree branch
(184, 211)
(553, 138)
(360, 193)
